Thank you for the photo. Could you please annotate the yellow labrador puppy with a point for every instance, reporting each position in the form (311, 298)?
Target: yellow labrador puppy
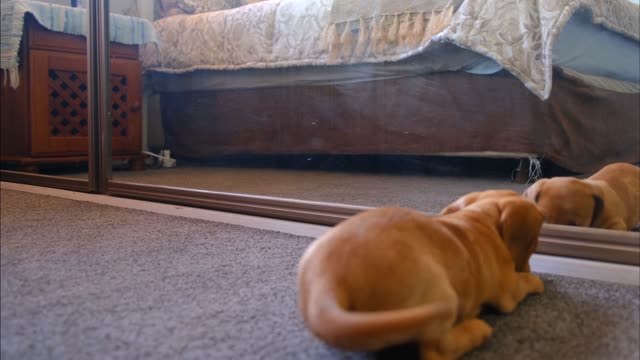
(610, 199)
(393, 275)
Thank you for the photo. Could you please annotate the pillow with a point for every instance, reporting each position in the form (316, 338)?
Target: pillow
(56, 2)
(165, 8)
(201, 6)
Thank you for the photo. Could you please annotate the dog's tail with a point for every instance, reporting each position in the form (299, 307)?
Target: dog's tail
(368, 331)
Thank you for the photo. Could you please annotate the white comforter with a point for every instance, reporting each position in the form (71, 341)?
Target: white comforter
(519, 35)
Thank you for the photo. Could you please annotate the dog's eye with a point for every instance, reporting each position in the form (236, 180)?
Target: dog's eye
(537, 198)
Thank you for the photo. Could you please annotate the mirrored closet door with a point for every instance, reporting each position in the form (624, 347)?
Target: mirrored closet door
(298, 100)
(44, 92)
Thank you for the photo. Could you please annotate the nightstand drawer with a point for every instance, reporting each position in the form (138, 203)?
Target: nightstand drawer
(59, 109)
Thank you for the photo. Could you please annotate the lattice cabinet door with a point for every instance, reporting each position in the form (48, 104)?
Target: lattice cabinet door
(59, 109)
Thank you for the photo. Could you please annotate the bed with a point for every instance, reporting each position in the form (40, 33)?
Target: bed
(529, 79)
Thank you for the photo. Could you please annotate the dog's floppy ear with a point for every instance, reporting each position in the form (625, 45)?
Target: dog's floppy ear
(598, 206)
(519, 226)
(460, 203)
(597, 196)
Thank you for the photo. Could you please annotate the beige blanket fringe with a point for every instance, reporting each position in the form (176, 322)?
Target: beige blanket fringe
(13, 75)
(378, 36)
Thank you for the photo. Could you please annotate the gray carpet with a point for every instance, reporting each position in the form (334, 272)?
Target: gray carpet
(423, 192)
(85, 281)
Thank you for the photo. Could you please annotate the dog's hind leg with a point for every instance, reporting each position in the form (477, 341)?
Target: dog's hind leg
(461, 339)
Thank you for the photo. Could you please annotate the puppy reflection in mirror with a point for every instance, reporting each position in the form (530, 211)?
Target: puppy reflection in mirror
(610, 199)
(393, 275)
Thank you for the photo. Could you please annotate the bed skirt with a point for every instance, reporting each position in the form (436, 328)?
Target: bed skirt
(579, 127)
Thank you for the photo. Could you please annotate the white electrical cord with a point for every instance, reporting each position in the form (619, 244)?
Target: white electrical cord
(535, 170)
(152, 154)
(165, 158)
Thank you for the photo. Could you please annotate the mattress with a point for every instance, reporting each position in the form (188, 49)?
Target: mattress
(284, 39)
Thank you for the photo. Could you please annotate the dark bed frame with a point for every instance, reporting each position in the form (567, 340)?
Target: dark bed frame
(579, 127)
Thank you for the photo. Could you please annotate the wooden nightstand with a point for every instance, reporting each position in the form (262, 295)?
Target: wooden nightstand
(45, 120)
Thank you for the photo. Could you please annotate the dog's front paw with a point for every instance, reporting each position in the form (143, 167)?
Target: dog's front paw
(536, 286)
(461, 339)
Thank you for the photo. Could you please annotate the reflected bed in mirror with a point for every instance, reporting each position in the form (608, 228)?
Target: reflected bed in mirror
(309, 83)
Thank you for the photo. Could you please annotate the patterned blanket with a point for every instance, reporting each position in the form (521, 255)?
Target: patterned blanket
(519, 35)
(124, 29)
(380, 23)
